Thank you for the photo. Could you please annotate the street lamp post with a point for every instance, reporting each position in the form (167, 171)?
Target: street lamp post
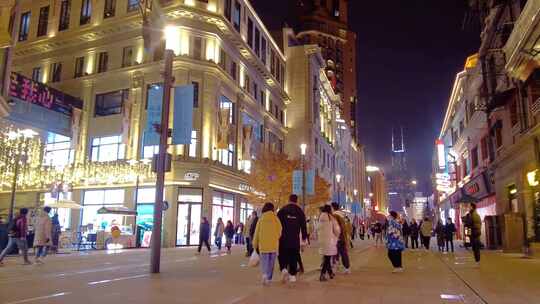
(155, 253)
(303, 148)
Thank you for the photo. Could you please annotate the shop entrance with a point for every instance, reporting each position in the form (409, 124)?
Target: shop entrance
(188, 219)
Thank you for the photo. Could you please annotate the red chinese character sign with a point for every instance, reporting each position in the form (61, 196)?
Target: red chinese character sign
(38, 93)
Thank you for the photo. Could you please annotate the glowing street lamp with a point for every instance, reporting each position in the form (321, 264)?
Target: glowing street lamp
(414, 182)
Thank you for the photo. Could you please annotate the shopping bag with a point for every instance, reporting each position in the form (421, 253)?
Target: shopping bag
(254, 259)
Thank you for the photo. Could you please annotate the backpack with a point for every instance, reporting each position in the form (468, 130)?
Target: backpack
(13, 229)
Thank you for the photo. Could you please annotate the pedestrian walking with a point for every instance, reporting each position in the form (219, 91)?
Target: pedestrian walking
(406, 232)
(344, 240)
(362, 231)
(426, 229)
(204, 235)
(329, 233)
(266, 241)
(43, 234)
(415, 231)
(239, 234)
(229, 234)
(56, 230)
(450, 230)
(394, 242)
(218, 233)
(440, 232)
(293, 222)
(17, 231)
(249, 230)
(474, 222)
(377, 231)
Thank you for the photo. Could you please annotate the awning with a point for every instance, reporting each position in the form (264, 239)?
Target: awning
(63, 204)
(117, 210)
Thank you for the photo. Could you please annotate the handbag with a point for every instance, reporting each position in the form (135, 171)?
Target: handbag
(254, 259)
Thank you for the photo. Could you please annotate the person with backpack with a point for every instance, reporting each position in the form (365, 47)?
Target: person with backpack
(43, 234)
(293, 222)
(343, 243)
(17, 231)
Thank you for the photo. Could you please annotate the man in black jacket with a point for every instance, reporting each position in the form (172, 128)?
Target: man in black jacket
(449, 230)
(293, 222)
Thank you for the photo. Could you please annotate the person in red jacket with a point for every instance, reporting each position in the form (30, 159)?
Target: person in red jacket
(17, 231)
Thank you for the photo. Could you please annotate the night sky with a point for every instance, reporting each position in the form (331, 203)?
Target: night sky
(408, 55)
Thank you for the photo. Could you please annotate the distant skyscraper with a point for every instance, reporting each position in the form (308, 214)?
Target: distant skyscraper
(400, 190)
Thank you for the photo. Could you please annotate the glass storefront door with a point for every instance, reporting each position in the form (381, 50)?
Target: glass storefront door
(222, 207)
(189, 217)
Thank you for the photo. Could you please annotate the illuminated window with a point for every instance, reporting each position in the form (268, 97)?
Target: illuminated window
(96, 199)
(110, 8)
(132, 5)
(193, 145)
(56, 72)
(108, 148)
(43, 21)
(58, 151)
(226, 156)
(127, 56)
(150, 151)
(86, 12)
(36, 74)
(103, 62)
(24, 26)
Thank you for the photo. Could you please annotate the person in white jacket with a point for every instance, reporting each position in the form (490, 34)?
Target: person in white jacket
(43, 234)
(328, 232)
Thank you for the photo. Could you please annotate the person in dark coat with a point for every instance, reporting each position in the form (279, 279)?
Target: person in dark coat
(252, 228)
(414, 234)
(293, 222)
(406, 232)
(449, 230)
(204, 235)
(229, 235)
(440, 232)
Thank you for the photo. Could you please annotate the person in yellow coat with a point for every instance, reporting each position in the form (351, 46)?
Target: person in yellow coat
(266, 241)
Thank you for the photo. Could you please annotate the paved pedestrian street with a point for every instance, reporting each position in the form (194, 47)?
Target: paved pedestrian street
(114, 277)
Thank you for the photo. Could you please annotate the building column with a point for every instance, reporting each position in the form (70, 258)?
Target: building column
(81, 153)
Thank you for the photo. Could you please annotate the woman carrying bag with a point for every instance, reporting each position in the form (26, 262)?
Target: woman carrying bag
(328, 232)
(266, 241)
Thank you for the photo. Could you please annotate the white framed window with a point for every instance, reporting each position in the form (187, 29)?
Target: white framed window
(193, 146)
(108, 148)
(150, 151)
(58, 152)
(93, 200)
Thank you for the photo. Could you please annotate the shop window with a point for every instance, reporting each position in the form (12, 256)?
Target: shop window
(150, 151)
(64, 214)
(86, 12)
(222, 207)
(111, 103)
(24, 26)
(236, 15)
(65, 8)
(79, 67)
(132, 5)
(246, 210)
(56, 71)
(110, 8)
(109, 148)
(127, 56)
(36, 74)
(43, 21)
(103, 62)
(58, 151)
(93, 200)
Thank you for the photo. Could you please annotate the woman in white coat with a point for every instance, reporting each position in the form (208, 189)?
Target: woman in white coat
(328, 232)
(43, 234)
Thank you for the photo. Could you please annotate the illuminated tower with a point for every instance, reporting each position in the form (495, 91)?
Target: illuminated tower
(399, 162)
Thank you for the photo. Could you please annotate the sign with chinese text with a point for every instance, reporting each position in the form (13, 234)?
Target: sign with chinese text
(38, 93)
